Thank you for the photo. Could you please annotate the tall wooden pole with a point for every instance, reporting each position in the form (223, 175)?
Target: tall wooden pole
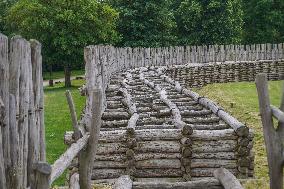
(87, 157)
(272, 138)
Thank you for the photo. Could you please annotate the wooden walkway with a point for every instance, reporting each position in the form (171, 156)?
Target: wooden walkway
(153, 129)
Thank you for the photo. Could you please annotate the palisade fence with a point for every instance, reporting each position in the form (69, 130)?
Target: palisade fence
(124, 58)
(22, 132)
(22, 138)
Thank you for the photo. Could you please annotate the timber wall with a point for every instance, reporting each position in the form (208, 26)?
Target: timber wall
(22, 141)
(199, 75)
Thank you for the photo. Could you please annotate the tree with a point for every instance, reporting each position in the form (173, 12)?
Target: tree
(264, 21)
(64, 27)
(4, 7)
(209, 22)
(147, 23)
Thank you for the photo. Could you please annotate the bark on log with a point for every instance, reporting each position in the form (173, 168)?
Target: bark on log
(132, 124)
(202, 184)
(227, 179)
(148, 173)
(158, 164)
(150, 156)
(107, 173)
(208, 172)
(2, 163)
(213, 163)
(123, 182)
(214, 146)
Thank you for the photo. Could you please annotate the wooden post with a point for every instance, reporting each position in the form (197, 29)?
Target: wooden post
(77, 133)
(87, 157)
(227, 179)
(2, 163)
(273, 141)
(74, 181)
(42, 172)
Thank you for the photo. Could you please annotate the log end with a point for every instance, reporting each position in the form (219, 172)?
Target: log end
(242, 131)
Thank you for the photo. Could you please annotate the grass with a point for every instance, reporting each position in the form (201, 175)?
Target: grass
(244, 97)
(58, 120)
(60, 74)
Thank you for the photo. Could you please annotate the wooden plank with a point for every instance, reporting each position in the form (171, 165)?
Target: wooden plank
(277, 113)
(2, 163)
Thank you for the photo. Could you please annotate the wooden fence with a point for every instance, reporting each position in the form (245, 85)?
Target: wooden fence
(22, 140)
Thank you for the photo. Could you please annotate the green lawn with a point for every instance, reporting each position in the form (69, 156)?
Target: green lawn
(244, 97)
(60, 74)
(58, 120)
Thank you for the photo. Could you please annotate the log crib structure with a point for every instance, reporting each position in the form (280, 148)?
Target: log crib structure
(141, 126)
(155, 132)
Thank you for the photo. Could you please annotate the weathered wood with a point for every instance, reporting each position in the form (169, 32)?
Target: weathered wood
(65, 159)
(74, 181)
(42, 172)
(132, 123)
(107, 173)
(201, 184)
(87, 157)
(151, 156)
(2, 163)
(208, 172)
(213, 163)
(273, 141)
(227, 179)
(158, 164)
(123, 182)
(278, 114)
(144, 173)
(77, 132)
(4, 94)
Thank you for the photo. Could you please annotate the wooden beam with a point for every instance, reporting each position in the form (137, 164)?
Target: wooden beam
(277, 113)
(227, 179)
(2, 164)
(65, 159)
(273, 141)
(87, 157)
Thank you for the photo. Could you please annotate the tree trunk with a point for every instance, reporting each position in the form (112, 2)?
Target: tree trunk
(67, 72)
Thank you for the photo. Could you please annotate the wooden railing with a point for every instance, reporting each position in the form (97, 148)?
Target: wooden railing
(273, 137)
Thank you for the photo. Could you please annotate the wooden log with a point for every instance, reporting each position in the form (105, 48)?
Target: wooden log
(14, 144)
(205, 183)
(227, 134)
(2, 163)
(214, 146)
(42, 172)
(132, 124)
(278, 114)
(158, 164)
(158, 146)
(273, 140)
(109, 164)
(208, 172)
(239, 128)
(86, 159)
(213, 163)
(77, 132)
(216, 156)
(227, 179)
(114, 148)
(148, 173)
(123, 182)
(65, 159)
(115, 115)
(107, 173)
(4, 94)
(163, 180)
(74, 181)
(150, 156)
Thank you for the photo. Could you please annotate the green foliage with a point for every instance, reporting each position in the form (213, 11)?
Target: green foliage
(4, 7)
(209, 22)
(264, 21)
(147, 23)
(64, 27)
